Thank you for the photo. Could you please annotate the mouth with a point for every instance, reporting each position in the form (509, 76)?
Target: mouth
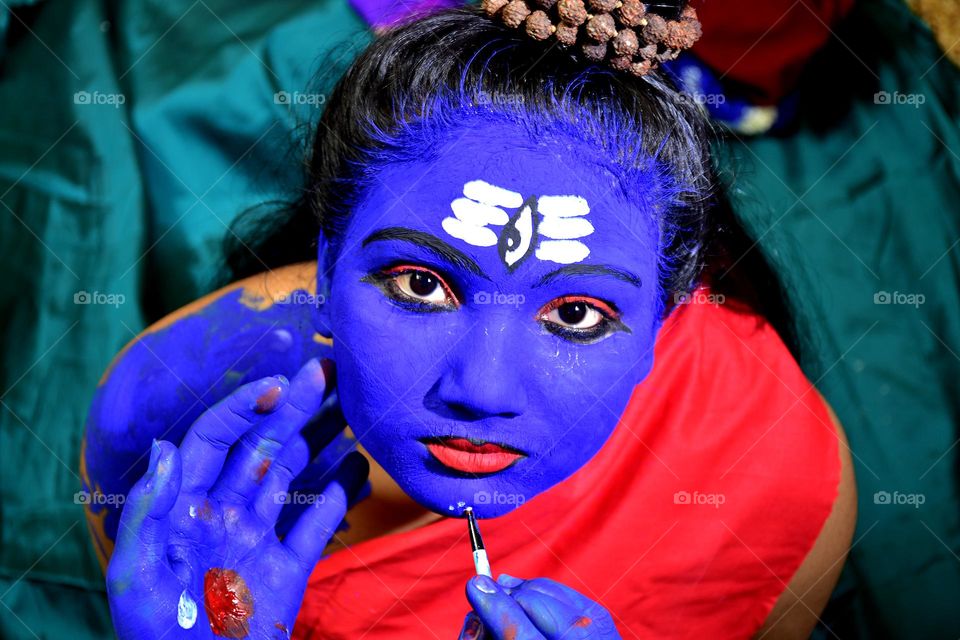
(468, 455)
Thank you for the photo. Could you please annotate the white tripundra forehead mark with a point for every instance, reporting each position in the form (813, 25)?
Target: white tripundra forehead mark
(486, 193)
(548, 227)
(563, 206)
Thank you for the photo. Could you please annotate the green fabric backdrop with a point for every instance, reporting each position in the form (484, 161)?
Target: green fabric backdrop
(133, 200)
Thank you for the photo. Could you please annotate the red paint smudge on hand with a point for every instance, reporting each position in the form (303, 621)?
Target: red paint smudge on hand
(582, 621)
(205, 512)
(268, 401)
(228, 603)
(262, 469)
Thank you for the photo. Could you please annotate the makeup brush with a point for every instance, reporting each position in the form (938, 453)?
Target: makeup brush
(480, 560)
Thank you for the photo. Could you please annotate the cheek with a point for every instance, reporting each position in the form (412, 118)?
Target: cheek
(584, 403)
(383, 353)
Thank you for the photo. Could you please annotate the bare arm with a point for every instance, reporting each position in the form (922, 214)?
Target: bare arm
(798, 609)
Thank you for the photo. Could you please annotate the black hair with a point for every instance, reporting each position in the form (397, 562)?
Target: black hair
(451, 64)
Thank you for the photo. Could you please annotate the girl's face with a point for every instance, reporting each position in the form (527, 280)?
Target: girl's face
(491, 309)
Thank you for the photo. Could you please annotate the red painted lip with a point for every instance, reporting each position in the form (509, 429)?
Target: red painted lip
(470, 456)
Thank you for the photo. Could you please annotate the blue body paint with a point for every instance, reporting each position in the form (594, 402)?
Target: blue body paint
(492, 301)
(468, 356)
(162, 383)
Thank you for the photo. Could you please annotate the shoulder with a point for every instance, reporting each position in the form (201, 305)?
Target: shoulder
(799, 606)
(787, 426)
(729, 416)
(172, 371)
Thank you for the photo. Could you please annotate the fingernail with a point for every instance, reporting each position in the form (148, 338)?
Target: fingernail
(484, 584)
(154, 457)
(283, 379)
(509, 581)
(313, 373)
(268, 398)
(472, 627)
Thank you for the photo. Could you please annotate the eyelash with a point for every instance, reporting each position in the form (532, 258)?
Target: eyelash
(386, 281)
(610, 320)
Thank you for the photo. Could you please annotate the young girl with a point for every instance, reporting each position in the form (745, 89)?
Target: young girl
(537, 307)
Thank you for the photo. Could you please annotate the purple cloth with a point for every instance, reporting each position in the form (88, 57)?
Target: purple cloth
(386, 13)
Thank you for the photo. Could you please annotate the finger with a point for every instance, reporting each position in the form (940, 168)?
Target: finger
(142, 537)
(557, 590)
(311, 533)
(204, 448)
(286, 507)
(593, 614)
(292, 471)
(299, 450)
(501, 615)
(253, 454)
(554, 618)
(472, 628)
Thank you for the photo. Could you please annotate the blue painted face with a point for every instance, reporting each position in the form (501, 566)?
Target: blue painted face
(492, 308)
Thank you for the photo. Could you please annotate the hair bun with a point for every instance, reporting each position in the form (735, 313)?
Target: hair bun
(627, 34)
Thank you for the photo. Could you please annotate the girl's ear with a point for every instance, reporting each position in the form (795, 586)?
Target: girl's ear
(320, 314)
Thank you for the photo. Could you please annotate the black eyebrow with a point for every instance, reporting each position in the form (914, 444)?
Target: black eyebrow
(429, 242)
(590, 270)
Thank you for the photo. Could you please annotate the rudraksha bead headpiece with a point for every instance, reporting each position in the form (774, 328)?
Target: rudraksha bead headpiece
(628, 34)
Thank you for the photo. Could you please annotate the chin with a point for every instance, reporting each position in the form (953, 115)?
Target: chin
(449, 492)
(447, 477)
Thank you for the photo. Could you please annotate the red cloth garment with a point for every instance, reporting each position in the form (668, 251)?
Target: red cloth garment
(688, 523)
(765, 45)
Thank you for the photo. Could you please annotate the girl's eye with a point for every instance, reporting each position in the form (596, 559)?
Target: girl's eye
(422, 285)
(575, 315)
(418, 287)
(581, 319)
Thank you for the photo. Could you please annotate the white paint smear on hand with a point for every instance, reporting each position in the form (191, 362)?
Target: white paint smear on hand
(186, 611)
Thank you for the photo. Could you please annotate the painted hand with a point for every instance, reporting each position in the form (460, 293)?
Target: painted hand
(197, 553)
(537, 609)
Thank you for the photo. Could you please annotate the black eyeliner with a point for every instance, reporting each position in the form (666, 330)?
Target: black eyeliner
(385, 282)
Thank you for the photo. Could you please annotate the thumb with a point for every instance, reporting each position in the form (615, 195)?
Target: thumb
(143, 534)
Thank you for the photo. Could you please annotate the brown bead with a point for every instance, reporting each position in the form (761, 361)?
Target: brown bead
(632, 13)
(490, 7)
(689, 12)
(641, 68)
(595, 52)
(656, 29)
(567, 34)
(626, 42)
(682, 34)
(603, 6)
(648, 52)
(601, 27)
(621, 63)
(515, 13)
(668, 54)
(572, 11)
(538, 25)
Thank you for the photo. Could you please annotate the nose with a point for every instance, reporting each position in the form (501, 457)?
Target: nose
(484, 375)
